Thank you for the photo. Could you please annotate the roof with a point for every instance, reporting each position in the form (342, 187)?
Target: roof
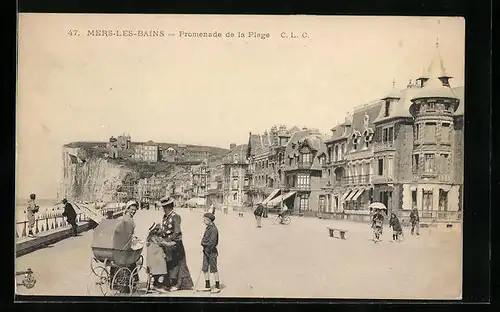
(337, 133)
(401, 109)
(316, 142)
(372, 109)
(296, 137)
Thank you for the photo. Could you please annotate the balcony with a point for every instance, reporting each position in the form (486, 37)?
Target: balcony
(384, 146)
(382, 179)
(358, 179)
(298, 188)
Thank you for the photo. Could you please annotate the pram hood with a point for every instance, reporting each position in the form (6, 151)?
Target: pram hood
(114, 234)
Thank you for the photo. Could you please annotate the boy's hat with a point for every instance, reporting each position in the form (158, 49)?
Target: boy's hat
(209, 216)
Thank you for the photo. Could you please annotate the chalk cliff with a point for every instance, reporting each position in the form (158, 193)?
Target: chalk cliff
(89, 176)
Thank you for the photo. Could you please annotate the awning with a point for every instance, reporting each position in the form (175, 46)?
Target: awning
(349, 198)
(271, 196)
(356, 196)
(280, 198)
(345, 195)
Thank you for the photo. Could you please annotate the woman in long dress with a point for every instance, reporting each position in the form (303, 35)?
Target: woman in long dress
(178, 271)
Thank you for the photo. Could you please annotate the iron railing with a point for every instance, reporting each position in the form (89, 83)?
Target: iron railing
(53, 220)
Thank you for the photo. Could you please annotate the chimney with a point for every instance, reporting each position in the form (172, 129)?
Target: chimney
(232, 145)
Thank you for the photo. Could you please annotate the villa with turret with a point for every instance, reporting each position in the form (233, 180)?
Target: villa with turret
(404, 150)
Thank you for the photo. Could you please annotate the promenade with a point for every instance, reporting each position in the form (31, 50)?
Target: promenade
(297, 260)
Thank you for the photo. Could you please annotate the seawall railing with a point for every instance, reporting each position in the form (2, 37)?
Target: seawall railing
(53, 220)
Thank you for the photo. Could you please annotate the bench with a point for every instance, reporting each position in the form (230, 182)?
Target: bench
(332, 231)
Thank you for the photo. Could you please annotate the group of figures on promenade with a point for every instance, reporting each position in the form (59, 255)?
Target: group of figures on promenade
(32, 209)
(166, 255)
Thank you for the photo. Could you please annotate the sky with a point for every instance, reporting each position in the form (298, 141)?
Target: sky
(210, 91)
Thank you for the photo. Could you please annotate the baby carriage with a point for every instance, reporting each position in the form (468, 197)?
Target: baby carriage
(117, 261)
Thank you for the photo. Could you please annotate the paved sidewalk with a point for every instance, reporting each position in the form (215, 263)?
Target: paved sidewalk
(296, 260)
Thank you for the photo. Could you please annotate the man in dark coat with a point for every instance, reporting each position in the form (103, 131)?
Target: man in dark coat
(70, 214)
(258, 212)
(415, 221)
(178, 271)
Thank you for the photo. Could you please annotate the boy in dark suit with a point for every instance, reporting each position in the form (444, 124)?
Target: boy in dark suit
(209, 242)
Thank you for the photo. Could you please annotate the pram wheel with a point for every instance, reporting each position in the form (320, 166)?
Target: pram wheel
(140, 281)
(140, 261)
(98, 282)
(121, 282)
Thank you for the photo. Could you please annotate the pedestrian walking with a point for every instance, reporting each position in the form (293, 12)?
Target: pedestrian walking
(415, 221)
(377, 225)
(396, 227)
(258, 212)
(30, 214)
(209, 243)
(70, 214)
(179, 276)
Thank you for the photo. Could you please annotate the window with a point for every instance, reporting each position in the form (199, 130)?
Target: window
(429, 163)
(391, 134)
(306, 158)
(380, 166)
(445, 133)
(427, 200)
(390, 166)
(443, 200)
(329, 154)
(385, 134)
(303, 181)
(290, 161)
(329, 202)
(355, 142)
(322, 160)
(430, 132)
(431, 107)
(235, 183)
(413, 198)
(235, 196)
(336, 154)
(415, 162)
(322, 203)
(342, 153)
(304, 202)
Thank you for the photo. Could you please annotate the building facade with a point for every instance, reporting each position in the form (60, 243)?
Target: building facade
(146, 152)
(199, 180)
(235, 166)
(404, 150)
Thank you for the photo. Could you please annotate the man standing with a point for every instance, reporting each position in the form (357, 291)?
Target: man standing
(30, 214)
(70, 214)
(415, 221)
(258, 212)
(180, 277)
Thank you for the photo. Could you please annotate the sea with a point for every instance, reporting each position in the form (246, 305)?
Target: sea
(46, 206)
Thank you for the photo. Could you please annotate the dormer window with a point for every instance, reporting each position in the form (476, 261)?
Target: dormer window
(355, 139)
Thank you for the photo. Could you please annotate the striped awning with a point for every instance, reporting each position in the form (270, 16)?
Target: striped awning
(280, 198)
(271, 196)
(358, 193)
(344, 196)
(349, 198)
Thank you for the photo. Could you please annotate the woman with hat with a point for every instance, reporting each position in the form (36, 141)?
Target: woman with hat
(178, 271)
